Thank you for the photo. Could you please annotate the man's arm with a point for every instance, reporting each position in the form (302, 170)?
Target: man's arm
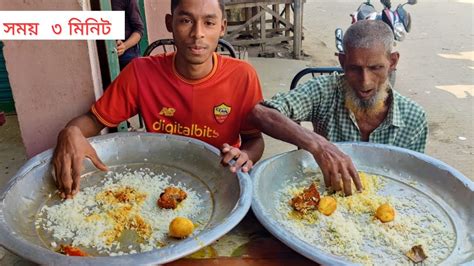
(87, 124)
(253, 145)
(334, 164)
(130, 42)
(71, 150)
(250, 152)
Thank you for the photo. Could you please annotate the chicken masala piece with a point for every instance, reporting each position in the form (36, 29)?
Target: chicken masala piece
(171, 198)
(72, 251)
(307, 200)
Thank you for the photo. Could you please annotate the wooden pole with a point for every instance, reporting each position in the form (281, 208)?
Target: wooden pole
(276, 21)
(248, 15)
(297, 33)
(263, 22)
(287, 17)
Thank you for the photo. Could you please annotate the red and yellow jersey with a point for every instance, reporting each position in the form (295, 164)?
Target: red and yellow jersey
(213, 109)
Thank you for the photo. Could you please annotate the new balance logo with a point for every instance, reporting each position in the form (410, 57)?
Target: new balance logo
(167, 111)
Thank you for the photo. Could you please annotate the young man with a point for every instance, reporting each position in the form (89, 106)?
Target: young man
(193, 92)
(359, 105)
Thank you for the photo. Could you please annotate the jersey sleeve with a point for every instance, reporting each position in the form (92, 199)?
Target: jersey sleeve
(119, 101)
(253, 96)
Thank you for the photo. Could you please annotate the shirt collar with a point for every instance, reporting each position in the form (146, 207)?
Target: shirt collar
(215, 63)
(394, 114)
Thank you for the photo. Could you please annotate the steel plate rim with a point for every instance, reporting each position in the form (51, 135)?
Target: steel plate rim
(442, 165)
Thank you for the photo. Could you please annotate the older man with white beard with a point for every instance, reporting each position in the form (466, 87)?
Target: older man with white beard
(359, 105)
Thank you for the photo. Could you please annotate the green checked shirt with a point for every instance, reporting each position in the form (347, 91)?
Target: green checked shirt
(321, 101)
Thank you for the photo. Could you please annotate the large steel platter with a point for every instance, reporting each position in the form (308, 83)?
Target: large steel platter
(194, 163)
(446, 191)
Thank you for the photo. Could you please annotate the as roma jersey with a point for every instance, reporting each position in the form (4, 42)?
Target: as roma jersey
(213, 109)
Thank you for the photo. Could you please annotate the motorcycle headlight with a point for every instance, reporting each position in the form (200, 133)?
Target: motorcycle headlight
(399, 31)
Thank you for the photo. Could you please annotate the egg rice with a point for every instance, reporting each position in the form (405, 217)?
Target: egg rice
(123, 205)
(352, 231)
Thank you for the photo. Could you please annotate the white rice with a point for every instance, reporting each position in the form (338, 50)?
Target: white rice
(68, 223)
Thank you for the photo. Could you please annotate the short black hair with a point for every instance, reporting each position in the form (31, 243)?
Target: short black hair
(175, 3)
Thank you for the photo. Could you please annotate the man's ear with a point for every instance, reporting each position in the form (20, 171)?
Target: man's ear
(169, 22)
(223, 27)
(394, 57)
(342, 58)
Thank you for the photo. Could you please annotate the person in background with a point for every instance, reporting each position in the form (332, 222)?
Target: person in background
(129, 49)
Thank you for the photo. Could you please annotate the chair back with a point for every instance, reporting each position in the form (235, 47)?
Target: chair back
(314, 71)
(167, 45)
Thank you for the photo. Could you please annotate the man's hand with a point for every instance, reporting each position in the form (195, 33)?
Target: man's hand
(69, 154)
(241, 158)
(121, 47)
(334, 164)
(336, 167)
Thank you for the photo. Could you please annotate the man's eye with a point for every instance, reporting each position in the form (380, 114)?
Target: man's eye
(353, 68)
(210, 23)
(185, 20)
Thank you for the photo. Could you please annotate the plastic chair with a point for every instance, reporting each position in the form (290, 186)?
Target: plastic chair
(223, 47)
(314, 71)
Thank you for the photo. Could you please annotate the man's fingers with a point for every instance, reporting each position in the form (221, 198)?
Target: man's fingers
(324, 169)
(346, 180)
(327, 177)
(247, 166)
(66, 178)
(242, 161)
(226, 148)
(355, 177)
(243, 158)
(229, 153)
(227, 157)
(97, 161)
(57, 175)
(336, 180)
(76, 175)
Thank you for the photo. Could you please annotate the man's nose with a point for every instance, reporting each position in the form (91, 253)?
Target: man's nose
(366, 78)
(198, 30)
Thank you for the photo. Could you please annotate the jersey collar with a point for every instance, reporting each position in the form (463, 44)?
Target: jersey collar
(207, 77)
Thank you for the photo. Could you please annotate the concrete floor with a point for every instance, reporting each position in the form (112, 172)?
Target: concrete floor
(436, 70)
(12, 151)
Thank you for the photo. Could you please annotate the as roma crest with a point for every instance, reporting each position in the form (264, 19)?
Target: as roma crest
(221, 112)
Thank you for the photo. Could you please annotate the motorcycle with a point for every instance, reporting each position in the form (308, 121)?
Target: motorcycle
(398, 19)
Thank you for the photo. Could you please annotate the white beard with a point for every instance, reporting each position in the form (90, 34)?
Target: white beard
(355, 104)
